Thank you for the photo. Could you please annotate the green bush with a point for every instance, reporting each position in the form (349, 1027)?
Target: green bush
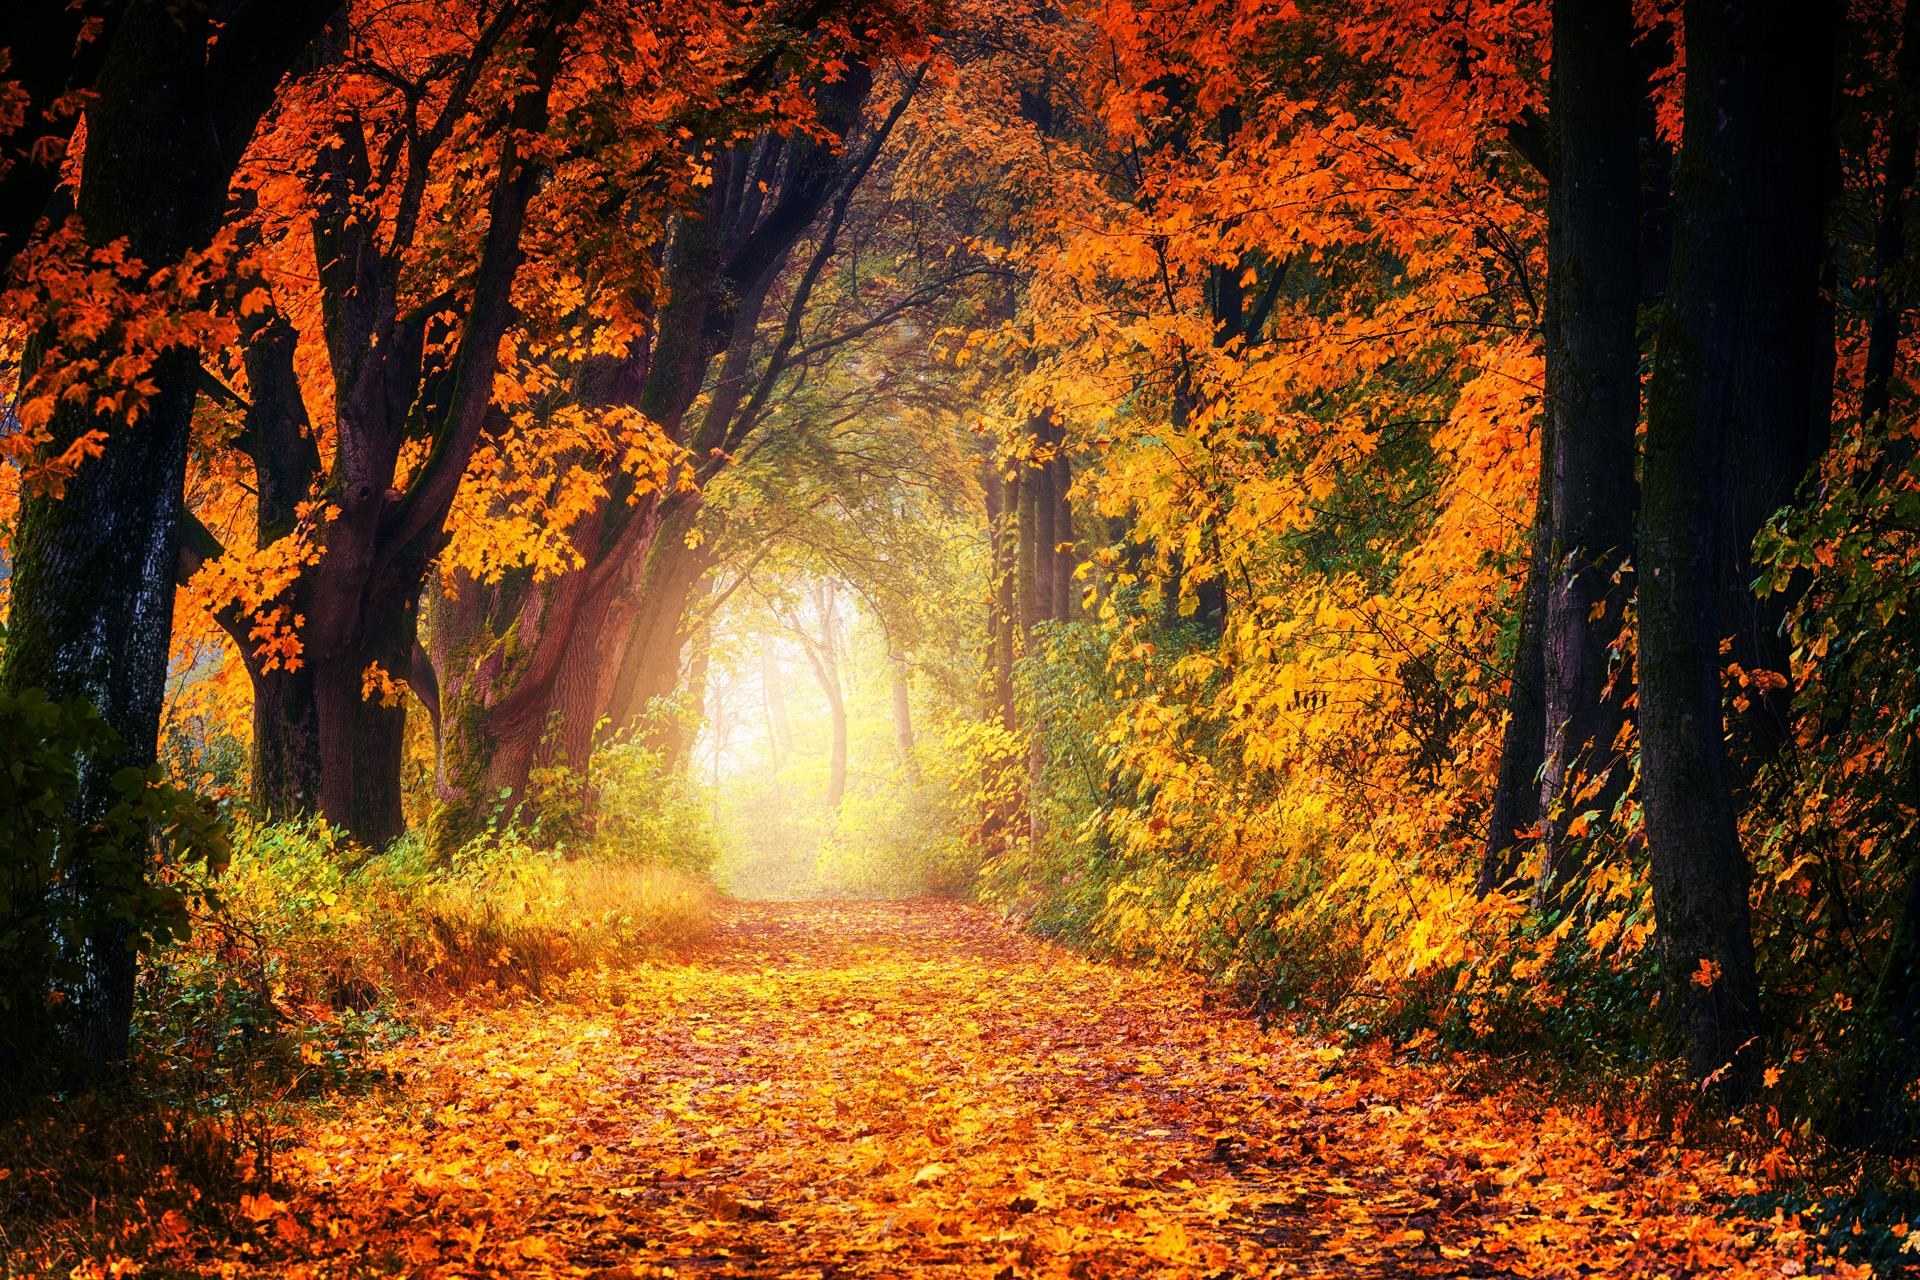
(645, 812)
(92, 850)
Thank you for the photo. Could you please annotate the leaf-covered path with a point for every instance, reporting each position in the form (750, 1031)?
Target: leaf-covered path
(897, 1089)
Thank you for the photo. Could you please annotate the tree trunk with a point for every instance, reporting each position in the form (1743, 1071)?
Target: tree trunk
(1026, 535)
(824, 653)
(1046, 509)
(1890, 267)
(286, 743)
(685, 729)
(1746, 85)
(360, 720)
(1003, 499)
(1593, 396)
(1516, 792)
(662, 600)
(92, 577)
(903, 719)
(1781, 412)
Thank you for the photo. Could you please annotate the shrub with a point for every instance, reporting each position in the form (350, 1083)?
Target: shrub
(645, 812)
(87, 852)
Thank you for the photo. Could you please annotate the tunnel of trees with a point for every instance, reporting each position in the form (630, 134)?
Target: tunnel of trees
(1407, 511)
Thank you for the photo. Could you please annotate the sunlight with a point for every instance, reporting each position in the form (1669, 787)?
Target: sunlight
(1035, 639)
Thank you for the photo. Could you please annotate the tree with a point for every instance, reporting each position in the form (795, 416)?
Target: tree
(173, 104)
(412, 374)
(1739, 294)
(1593, 398)
(569, 633)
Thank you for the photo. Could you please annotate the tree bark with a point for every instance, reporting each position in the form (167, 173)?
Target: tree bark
(93, 570)
(1747, 83)
(1026, 535)
(1046, 508)
(1003, 499)
(1516, 794)
(1593, 397)
(1066, 557)
(1886, 316)
(823, 652)
(903, 718)
(1782, 397)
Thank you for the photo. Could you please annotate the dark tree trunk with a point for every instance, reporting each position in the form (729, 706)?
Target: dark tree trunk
(92, 576)
(286, 743)
(363, 740)
(1516, 792)
(1890, 267)
(1593, 397)
(1782, 405)
(1747, 93)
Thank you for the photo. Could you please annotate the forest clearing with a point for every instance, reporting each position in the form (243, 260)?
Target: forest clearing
(989, 637)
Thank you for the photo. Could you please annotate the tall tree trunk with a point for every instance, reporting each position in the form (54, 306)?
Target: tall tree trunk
(92, 577)
(1593, 397)
(1004, 530)
(1046, 509)
(1890, 267)
(1782, 406)
(1026, 537)
(903, 718)
(1747, 94)
(823, 652)
(685, 729)
(1516, 793)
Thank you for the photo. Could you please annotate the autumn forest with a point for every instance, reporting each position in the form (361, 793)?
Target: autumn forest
(1002, 638)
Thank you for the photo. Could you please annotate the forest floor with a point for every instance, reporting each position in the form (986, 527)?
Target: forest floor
(904, 1089)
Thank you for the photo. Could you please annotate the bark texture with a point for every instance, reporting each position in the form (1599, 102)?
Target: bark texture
(92, 572)
(1593, 397)
(1752, 105)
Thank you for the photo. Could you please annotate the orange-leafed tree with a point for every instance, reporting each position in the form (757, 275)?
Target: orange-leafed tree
(108, 272)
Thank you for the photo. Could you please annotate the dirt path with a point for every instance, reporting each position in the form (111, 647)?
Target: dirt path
(905, 1089)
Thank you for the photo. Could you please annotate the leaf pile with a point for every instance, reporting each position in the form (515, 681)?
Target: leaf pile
(893, 1089)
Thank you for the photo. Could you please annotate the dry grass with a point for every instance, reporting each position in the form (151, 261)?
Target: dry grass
(306, 954)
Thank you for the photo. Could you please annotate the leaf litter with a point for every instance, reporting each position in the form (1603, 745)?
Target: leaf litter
(905, 1089)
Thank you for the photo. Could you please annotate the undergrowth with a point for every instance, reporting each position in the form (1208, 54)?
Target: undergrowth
(307, 954)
